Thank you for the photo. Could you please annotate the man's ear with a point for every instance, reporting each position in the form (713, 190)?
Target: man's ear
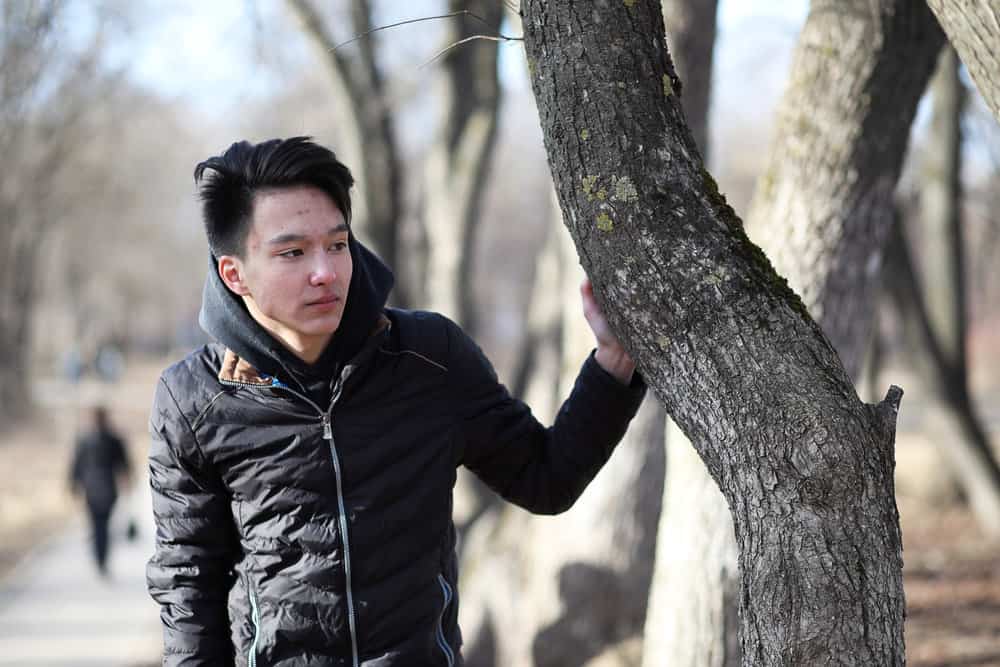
(232, 274)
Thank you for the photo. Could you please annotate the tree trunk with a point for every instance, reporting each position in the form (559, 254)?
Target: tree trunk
(944, 292)
(21, 241)
(964, 441)
(454, 182)
(603, 580)
(693, 618)
(45, 95)
(372, 151)
(940, 217)
(973, 27)
(460, 159)
(823, 207)
(540, 358)
(727, 346)
(693, 603)
(565, 600)
(690, 26)
(494, 533)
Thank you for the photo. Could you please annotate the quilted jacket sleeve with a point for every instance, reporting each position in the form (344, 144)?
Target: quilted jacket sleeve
(544, 470)
(189, 574)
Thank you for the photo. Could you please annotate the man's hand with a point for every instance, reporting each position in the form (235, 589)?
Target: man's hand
(610, 355)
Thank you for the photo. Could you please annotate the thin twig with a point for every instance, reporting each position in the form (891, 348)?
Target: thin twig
(501, 38)
(461, 12)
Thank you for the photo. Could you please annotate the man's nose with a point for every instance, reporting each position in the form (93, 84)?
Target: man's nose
(323, 271)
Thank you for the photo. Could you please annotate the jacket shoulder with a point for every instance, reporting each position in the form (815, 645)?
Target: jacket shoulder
(422, 332)
(191, 382)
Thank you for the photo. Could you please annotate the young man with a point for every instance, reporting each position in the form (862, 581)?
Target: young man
(302, 465)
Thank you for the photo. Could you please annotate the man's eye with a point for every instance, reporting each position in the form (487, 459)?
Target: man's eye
(294, 252)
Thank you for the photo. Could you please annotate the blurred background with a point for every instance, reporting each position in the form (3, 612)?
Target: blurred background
(107, 105)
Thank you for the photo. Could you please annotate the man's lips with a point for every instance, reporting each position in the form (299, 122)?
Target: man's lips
(324, 301)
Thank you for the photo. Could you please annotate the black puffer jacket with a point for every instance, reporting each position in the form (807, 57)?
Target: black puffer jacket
(295, 533)
(293, 549)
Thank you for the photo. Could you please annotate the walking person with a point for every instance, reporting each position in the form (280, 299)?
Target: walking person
(100, 464)
(302, 465)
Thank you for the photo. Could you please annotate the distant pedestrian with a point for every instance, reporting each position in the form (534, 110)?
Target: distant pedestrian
(100, 463)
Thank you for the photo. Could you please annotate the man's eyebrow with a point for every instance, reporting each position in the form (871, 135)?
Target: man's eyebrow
(294, 238)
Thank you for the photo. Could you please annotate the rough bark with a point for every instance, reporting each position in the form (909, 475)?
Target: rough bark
(693, 606)
(459, 161)
(973, 27)
(727, 346)
(823, 208)
(370, 142)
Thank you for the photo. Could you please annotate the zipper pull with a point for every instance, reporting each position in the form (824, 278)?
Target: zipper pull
(327, 430)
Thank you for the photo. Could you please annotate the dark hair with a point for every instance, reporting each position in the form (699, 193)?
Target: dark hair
(245, 169)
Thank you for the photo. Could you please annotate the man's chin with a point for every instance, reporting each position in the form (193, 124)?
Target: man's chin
(321, 327)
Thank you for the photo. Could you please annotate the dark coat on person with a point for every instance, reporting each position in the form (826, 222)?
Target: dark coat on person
(304, 513)
(98, 457)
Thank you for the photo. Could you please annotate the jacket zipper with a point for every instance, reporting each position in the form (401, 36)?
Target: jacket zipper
(442, 642)
(327, 418)
(352, 622)
(255, 619)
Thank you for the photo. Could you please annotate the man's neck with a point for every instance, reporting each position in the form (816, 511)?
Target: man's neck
(306, 348)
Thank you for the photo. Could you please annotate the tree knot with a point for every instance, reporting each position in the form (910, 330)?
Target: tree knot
(814, 491)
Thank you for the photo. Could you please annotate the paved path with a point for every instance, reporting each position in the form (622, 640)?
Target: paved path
(55, 611)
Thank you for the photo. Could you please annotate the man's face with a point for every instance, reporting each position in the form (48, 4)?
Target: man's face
(296, 269)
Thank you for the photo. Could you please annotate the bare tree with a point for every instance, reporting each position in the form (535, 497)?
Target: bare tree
(371, 147)
(728, 347)
(973, 28)
(459, 160)
(964, 444)
(932, 303)
(690, 26)
(693, 601)
(137, 203)
(541, 346)
(822, 209)
(564, 600)
(48, 93)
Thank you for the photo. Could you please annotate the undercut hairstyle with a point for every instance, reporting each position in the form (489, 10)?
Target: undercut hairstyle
(228, 183)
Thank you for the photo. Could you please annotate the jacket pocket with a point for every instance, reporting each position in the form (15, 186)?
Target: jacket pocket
(448, 595)
(255, 622)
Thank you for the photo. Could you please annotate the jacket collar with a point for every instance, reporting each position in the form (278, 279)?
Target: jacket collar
(235, 369)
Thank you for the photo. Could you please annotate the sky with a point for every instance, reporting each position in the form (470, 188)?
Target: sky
(210, 54)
